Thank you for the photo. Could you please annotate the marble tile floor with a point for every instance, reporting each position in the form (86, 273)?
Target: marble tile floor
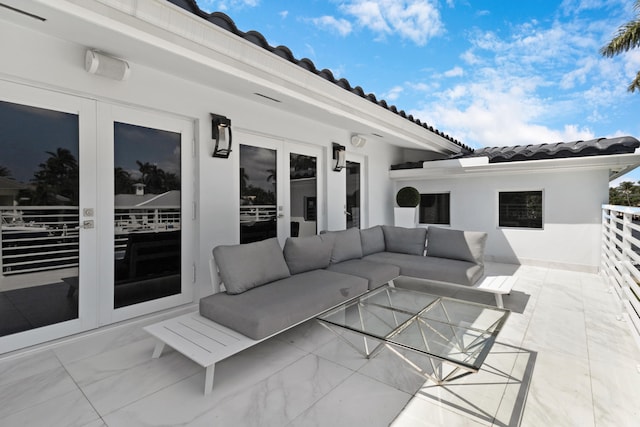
(563, 359)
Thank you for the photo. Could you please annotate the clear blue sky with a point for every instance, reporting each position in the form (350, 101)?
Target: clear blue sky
(487, 72)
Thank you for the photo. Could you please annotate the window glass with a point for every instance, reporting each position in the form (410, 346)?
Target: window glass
(521, 209)
(435, 208)
(353, 195)
(303, 190)
(258, 194)
(147, 216)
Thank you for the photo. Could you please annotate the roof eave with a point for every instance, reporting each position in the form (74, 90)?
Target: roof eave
(616, 164)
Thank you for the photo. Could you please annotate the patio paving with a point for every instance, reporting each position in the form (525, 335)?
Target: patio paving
(563, 358)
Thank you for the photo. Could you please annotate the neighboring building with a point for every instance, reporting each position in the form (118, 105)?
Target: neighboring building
(177, 67)
(9, 190)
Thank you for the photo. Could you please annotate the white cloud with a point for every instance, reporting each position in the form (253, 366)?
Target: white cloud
(222, 5)
(415, 20)
(470, 58)
(329, 23)
(283, 14)
(540, 83)
(454, 72)
(393, 93)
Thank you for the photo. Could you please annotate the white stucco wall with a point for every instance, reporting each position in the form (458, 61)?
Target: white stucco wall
(58, 66)
(572, 202)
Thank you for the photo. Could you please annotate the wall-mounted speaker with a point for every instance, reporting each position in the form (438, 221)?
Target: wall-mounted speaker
(358, 141)
(107, 66)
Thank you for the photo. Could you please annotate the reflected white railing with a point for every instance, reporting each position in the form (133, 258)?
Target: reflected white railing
(621, 257)
(257, 213)
(38, 238)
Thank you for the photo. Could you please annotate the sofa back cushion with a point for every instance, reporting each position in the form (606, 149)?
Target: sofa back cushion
(243, 267)
(346, 245)
(372, 240)
(404, 240)
(456, 244)
(308, 253)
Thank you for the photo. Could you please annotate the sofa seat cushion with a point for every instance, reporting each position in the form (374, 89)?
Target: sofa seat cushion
(376, 273)
(246, 266)
(432, 268)
(266, 310)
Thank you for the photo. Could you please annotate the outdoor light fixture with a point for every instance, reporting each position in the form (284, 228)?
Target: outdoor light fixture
(338, 157)
(219, 126)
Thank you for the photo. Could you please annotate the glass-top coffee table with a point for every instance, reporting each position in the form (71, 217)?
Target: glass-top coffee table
(455, 336)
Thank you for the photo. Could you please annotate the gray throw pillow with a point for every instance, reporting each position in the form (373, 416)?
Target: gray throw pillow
(346, 245)
(404, 240)
(308, 253)
(243, 267)
(372, 240)
(456, 244)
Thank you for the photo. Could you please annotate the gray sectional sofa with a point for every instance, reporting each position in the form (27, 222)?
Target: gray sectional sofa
(268, 290)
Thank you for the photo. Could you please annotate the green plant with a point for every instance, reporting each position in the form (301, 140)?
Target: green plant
(408, 197)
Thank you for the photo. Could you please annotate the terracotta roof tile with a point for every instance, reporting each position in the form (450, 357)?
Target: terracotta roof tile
(557, 150)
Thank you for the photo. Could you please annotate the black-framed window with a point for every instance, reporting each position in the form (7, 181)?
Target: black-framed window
(520, 209)
(435, 208)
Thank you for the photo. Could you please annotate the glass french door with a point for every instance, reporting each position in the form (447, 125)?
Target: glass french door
(353, 201)
(97, 211)
(280, 189)
(304, 189)
(146, 212)
(47, 195)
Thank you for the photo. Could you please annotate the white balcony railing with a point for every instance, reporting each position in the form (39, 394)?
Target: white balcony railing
(621, 258)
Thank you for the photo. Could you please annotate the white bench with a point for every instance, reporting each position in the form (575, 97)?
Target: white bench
(497, 285)
(201, 340)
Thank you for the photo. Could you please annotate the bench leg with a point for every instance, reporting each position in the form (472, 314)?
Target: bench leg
(499, 300)
(208, 378)
(157, 351)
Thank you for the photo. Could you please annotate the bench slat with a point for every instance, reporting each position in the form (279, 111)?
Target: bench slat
(198, 338)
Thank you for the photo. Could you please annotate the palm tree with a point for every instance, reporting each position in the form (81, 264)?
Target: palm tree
(58, 179)
(627, 188)
(628, 37)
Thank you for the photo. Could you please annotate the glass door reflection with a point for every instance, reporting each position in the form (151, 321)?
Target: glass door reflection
(39, 199)
(258, 194)
(303, 184)
(352, 204)
(147, 218)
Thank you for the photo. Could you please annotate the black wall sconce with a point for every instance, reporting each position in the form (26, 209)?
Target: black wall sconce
(219, 126)
(339, 159)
